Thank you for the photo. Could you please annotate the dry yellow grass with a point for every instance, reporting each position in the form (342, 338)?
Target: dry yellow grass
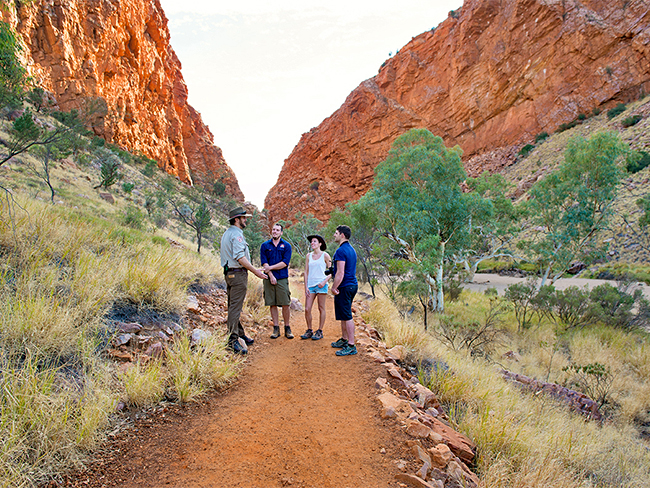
(62, 270)
(527, 441)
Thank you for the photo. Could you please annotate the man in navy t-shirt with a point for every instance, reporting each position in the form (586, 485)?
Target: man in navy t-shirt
(275, 255)
(344, 289)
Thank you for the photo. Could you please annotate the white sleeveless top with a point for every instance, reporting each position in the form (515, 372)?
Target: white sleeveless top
(316, 270)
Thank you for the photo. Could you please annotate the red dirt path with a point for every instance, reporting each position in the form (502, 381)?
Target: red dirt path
(298, 416)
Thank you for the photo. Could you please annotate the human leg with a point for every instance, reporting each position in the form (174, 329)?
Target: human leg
(236, 292)
(309, 301)
(275, 317)
(286, 316)
(322, 297)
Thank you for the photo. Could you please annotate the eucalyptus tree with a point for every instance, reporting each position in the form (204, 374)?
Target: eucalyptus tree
(570, 206)
(421, 206)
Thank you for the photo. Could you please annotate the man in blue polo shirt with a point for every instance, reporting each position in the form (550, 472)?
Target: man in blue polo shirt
(275, 255)
(344, 289)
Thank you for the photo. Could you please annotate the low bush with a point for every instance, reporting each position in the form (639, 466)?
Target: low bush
(618, 110)
(525, 151)
(631, 120)
(637, 161)
(541, 137)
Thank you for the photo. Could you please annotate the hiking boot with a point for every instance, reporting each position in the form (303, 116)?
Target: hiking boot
(248, 340)
(307, 335)
(348, 350)
(276, 332)
(317, 335)
(236, 347)
(340, 343)
(287, 332)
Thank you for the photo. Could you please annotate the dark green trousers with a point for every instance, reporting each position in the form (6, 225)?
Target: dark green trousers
(236, 282)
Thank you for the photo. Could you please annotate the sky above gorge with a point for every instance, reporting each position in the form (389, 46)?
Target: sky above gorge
(263, 73)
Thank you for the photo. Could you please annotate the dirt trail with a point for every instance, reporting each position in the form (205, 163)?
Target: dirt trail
(298, 416)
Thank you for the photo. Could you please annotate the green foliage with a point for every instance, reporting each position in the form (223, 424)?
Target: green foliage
(195, 215)
(256, 232)
(636, 161)
(618, 110)
(133, 217)
(127, 187)
(581, 117)
(525, 151)
(567, 126)
(593, 379)
(521, 296)
(109, 165)
(421, 207)
(218, 188)
(616, 306)
(541, 137)
(596, 111)
(314, 185)
(150, 168)
(631, 120)
(571, 205)
(160, 241)
(13, 77)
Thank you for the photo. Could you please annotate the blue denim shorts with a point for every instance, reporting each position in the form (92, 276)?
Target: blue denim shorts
(316, 289)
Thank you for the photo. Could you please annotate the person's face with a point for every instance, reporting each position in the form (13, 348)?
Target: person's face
(337, 236)
(276, 232)
(243, 221)
(315, 244)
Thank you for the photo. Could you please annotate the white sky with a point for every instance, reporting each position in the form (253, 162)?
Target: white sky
(262, 73)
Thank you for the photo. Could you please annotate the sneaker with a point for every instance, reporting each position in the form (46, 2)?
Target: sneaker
(340, 343)
(236, 347)
(287, 333)
(317, 335)
(248, 340)
(276, 332)
(348, 350)
(307, 335)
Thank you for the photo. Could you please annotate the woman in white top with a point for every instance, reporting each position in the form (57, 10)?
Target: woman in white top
(316, 263)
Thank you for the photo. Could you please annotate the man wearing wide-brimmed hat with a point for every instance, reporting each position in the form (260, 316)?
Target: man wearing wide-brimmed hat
(236, 262)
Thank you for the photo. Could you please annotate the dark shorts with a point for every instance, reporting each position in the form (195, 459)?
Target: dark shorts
(277, 295)
(343, 302)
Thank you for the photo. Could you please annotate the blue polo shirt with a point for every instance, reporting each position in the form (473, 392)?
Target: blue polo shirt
(346, 253)
(269, 254)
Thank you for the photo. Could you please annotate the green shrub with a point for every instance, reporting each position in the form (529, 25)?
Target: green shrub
(582, 117)
(632, 120)
(614, 306)
(541, 136)
(128, 187)
(525, 151)
(160, 241)
(594, 380)
(219, 188)
(596, 111)
(618, 110)
(150, 169)
(521, 295)
(637, 161)
(567, 126)
(133, 217)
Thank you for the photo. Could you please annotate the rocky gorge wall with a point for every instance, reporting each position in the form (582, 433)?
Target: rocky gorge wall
(490, 77)
(119, 52)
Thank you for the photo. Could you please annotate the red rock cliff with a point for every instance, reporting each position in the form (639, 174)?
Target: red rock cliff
(119, 51)
(492, 75)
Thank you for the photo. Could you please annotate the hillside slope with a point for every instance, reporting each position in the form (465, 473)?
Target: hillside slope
(119, 54)
(491, 76)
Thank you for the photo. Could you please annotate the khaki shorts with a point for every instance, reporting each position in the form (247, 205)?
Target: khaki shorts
(277, 295)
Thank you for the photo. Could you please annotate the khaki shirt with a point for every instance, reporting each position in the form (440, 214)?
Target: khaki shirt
(233, 247)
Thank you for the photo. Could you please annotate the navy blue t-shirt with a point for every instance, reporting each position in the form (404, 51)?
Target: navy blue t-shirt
(346, 253)
(269, 254)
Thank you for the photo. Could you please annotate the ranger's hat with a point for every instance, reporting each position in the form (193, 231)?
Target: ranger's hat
(323, 246)
(239, 212)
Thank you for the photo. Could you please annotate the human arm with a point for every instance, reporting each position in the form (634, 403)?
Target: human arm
(245, 263)
(307, 274)
(340, 271)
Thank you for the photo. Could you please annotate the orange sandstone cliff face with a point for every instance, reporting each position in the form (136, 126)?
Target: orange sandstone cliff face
(119, 52)
(490, 77)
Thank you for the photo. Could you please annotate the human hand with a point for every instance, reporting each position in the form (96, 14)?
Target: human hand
(260, 274)
(322, 284)
(335, 291)
(273, 280)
